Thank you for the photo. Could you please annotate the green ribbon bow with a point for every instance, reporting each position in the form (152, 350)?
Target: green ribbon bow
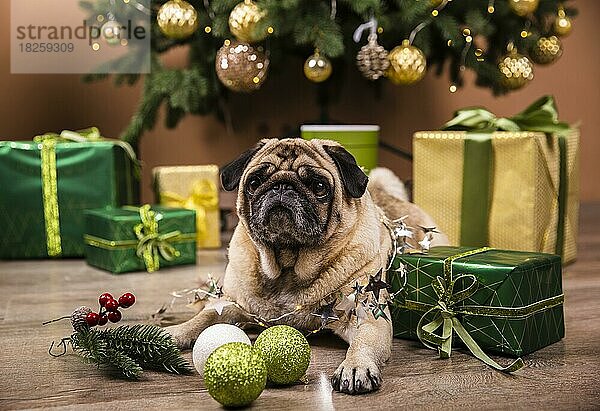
(151, 244)
(445, 313)
(541, 116)
(88, 135)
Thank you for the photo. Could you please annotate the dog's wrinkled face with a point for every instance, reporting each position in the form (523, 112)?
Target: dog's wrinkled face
(289, 190)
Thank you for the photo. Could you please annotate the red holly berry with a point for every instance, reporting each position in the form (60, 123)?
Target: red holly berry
(111, 305)
(104, 298)
(114, 316)
(92, 319)
(103, 319)
(127, 300)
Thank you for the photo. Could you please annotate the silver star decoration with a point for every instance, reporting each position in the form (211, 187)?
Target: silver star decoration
(379, 311)
(425, 243)
(402, 247)
(217, 304)
(327, 314)
(347, 305)
(358, 289)
(403, 231)
(428, 230)
(376, 284)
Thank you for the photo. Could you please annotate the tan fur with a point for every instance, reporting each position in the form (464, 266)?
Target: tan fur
(353, 247)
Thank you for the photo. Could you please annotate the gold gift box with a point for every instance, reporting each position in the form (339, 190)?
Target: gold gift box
(524, 192)
(195, 188)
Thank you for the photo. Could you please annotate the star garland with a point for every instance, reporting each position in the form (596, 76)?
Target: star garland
(369, 297)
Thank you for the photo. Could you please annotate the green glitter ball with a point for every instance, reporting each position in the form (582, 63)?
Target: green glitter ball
(235, 374)
(286, 353)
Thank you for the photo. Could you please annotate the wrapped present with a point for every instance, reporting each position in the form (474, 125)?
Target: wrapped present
(497, 301)
(514, 189)
(194, 188)
(47, 183)
(134, 239)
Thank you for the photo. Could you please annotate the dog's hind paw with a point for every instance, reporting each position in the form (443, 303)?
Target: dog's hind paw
(182, 338)
(356, 376)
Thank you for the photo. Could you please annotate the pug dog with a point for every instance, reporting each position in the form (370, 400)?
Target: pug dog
(309, 228)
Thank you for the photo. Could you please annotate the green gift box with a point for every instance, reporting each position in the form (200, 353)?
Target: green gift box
(497, 301)
(46, 184)
(135, 239)
(360, 140)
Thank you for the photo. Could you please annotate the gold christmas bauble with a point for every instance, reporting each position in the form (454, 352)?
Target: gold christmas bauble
(177, 19)
(515, 70)
(245, 22)
(407, 64)
(523, 7)
(547, 50)
(241, 67)
(372, 59)
(317, 68)
(562, 24)
(436, 3)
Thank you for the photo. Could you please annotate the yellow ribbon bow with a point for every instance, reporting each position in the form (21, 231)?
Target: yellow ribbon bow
(151, 244)
(203, 196)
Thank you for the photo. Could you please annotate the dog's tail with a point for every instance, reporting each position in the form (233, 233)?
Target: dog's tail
(383, 180)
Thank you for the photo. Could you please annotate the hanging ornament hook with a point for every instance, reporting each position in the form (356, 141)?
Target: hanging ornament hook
(371, 25)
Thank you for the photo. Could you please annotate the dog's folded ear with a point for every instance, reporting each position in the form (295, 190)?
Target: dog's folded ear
(232, 172)
(354, 179)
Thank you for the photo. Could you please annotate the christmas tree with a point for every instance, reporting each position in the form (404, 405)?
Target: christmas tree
(232, 45)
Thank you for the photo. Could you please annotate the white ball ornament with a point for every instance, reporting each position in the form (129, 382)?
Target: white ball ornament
(212, 338)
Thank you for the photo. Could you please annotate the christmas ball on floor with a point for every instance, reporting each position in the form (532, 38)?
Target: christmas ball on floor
(286, 353)
(235, 374)
(212, 338)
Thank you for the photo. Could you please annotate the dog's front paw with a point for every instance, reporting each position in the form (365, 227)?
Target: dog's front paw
(356, 376)
(181, 336)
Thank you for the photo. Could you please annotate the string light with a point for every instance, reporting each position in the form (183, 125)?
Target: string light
(207, 29)
(491, 7)
(452, 88)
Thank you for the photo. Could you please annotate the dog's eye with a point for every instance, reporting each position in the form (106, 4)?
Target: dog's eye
(253, 185)
(320, 189)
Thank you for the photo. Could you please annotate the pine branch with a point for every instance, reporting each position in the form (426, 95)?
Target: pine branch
(148, 345)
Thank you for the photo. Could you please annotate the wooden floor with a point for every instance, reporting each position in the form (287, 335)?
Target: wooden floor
(565, 375)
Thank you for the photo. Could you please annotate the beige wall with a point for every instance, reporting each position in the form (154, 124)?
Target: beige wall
(33, 104)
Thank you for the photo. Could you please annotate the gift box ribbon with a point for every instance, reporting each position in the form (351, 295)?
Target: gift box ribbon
(445, 313)
(203, 196)
(150, 244)
(49, 177)
(541, 116)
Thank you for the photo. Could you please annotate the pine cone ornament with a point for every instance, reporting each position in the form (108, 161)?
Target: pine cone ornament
(78, 318)
(372, 59)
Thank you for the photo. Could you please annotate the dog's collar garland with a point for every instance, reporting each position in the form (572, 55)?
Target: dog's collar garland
(370, 293)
